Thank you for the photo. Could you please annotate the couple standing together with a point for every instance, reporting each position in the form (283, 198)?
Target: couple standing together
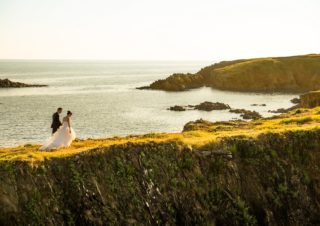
(62, 133)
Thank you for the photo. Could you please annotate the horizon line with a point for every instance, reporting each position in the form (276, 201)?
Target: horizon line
(163, 60)
(88, 59)
(155, 60)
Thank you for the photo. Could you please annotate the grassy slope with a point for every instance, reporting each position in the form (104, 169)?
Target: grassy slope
(284, 74)
(199, 135)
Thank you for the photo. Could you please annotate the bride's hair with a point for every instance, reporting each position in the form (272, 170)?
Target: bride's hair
(69, 113)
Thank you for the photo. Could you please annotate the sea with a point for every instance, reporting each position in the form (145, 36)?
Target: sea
(105, 102)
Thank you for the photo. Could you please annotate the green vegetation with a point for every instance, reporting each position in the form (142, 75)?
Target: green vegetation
(302, 120)
(263, 172)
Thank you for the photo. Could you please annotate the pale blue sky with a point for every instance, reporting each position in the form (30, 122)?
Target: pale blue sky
(158, 29)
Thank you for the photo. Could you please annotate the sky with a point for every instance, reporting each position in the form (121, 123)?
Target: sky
(158, 29)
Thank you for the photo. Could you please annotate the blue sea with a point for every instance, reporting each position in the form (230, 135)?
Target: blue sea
(104, 100)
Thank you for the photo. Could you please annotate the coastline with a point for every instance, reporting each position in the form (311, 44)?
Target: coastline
(198, 134)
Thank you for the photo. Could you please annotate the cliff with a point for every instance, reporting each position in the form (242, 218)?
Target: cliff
(6, 83)
(263, 172)
(310, 99)
(273, 74)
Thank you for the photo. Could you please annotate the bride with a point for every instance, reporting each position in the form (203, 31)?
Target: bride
(62, 137)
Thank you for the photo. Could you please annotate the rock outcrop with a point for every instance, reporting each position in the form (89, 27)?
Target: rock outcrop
(177, 108)
(209, 106)
(246, 114)
(178, 82)
(261, 105)
(275, 74)
(204, 106)
(295, 100)
(6, 83)
(199, 124)
(279, 110)
(310, 100)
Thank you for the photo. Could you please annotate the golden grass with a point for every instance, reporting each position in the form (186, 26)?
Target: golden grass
(247, 63)
(265, 64)
(304, 119)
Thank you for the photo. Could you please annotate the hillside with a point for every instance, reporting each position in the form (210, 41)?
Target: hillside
(274, 74)
(225, 173)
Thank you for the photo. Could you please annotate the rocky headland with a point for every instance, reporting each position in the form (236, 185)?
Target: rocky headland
(6, 83)
(295, 74)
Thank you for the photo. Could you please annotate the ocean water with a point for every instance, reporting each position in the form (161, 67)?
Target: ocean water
(104, 101)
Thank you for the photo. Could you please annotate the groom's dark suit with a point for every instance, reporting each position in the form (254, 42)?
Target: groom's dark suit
(55, 122)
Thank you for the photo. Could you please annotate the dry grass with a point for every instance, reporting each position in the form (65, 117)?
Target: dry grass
(258, 63)
(306, 119)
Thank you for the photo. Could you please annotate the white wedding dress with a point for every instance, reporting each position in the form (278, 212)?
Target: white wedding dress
(61, 138)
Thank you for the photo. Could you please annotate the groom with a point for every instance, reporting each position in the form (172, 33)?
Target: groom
(56, 121)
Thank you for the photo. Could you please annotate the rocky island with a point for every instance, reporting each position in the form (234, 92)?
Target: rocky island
(6, 83)
(209, 106)
(204, 106)
(260, 172)
(295, 74)
(246, 114)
